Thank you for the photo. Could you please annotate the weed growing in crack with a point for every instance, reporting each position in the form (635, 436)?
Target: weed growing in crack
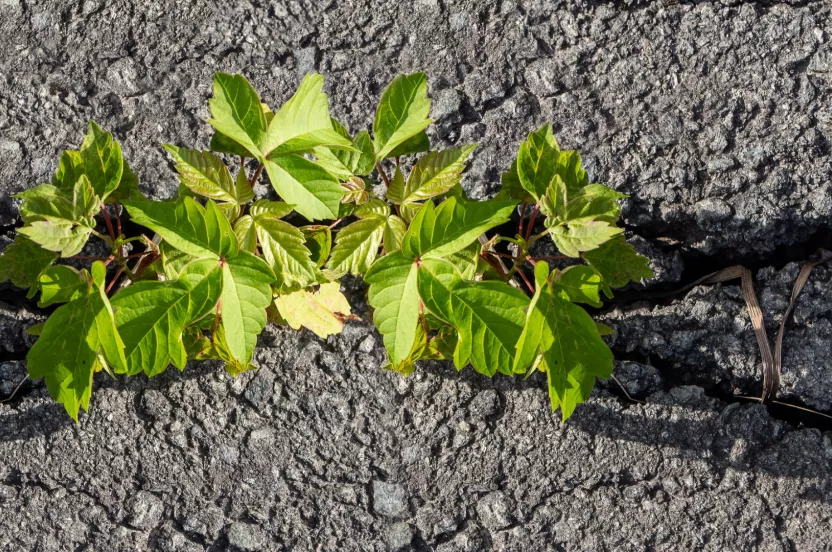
(217, 263)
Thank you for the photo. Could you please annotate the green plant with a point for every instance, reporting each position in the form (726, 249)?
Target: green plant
(222, 263)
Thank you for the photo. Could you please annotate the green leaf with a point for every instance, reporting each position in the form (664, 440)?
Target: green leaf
(303, 122)
(467, 260)
(57, 234)
(70, 168)
(203, 173)
(511, 188)
(618, 264)
(245, 295)
(569, 169)
(78, 338)
(554, 203)
(74, 203)
(314, 192)
(236, 112)
(151, 316)
(595, 200)
(440, 231)
(489, 316)
(60, 284)
(584, 234)
(433, 175)
(318, 242)
(417, 144)
(402, 113)
(103, 162)
(394, 231)
(265, 208)
(173, 260)
(394, 297)
(323, 311)
(536, 161)
(567, 341)
(23, 261)
(356, 245)
(284, 249)
(187, 225)
(246, 233)
(221, 143)
(579, 284)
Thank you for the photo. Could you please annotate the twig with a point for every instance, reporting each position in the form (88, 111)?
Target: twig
(256, 175)
(615, 379)
(383, 175)
(16, 389)
(550, 258)
(334, 224)
(781, 403)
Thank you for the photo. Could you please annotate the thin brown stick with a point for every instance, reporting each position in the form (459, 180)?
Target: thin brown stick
(16, 389)
(550, 258)
(624, 389)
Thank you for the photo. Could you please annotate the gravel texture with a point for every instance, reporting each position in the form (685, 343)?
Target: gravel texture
(715, 118)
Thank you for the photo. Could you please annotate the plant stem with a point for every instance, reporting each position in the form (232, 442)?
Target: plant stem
(256, 175)
(98, 234)
(109, 222)
(526, 281)
(383, 175)
(522, 216)
(334, 224)
(538, 236)
(531, 220)
(551, 258)
(118, 218)
(115, 279)
(89, 258)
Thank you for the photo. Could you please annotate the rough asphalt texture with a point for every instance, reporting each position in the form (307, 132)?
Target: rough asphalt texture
(714, 116)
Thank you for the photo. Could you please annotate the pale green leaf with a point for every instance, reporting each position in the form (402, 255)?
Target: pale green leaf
(77, 337)
(103, 162)
(395, 299)
(319, 243)
(60, 284)
(246, 233)
(323, 311)
(23, 261)
(203, 173)
(314, 192)
(394, 231)
(579, 284)
(57, 234)
(489, 316)
(440, 231)
(187, 225)
(303, 122)
(236, 112)
(245, 295)
(536, 161)
(434, 174)
(402, 113)
(284, 249)
(595, 200)
(356, 246)
(583, 234)
(618, 264)
(151, 316)
(567, 341)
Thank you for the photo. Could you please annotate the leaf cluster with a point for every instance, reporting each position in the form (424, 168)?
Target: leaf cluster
(219, 261)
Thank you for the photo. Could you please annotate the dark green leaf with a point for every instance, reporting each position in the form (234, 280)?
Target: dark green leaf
(402, 113)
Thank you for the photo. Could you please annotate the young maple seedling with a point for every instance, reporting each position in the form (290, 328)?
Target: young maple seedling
(217, 264)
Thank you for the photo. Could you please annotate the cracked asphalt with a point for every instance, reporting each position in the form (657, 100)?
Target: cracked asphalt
(713, 115)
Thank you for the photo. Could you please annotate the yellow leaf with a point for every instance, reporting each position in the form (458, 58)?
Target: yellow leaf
(323, 312)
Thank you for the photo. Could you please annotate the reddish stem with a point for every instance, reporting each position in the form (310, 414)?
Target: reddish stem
(522, 216)
(531, 221)
(526, 280)
(383, 175)
(108, 221)
(118, 218)
(115, 279)
(256, 175)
